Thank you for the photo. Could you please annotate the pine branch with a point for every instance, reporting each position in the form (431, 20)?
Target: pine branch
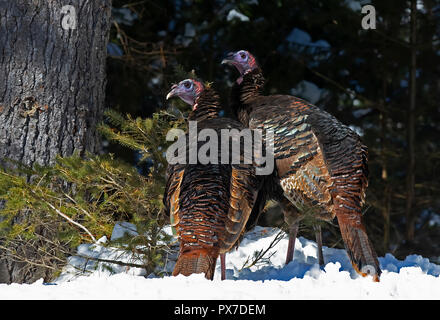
(128, 264)
(19, 258)
(70, 220)
(259, 255)
(81, 198)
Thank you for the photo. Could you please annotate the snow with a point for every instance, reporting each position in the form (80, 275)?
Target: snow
(124, 16)
(360, 112)
(300, 41)
(308, 91)
(234, 14)
(353, 5)
(114, 50)
(188, 35)
(356, 5)
(190, 30)
(435, 220)
(413, 278)
(298, 36)
(122, 228)
(357, 129)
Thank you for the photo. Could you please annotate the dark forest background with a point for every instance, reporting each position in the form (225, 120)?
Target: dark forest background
(383, 82)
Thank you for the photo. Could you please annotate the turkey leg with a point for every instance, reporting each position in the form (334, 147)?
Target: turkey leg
(293, 230)
(223, 265)
(292, 217)
(318, 235)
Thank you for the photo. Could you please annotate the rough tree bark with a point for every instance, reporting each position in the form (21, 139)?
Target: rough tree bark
(52, 84)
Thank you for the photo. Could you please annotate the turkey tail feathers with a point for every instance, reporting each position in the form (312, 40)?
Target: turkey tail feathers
(243, 195)
(196, 261)
(359, 248)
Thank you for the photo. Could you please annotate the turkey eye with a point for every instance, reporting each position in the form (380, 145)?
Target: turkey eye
(187, 85)
(243, 56)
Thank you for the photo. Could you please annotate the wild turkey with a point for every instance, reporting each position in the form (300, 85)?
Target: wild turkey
(321, 164)
(209, 204)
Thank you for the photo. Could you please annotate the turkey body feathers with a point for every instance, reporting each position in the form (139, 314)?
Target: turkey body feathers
(198, 214)
(208, 204)
(314, 153)
(321, 164)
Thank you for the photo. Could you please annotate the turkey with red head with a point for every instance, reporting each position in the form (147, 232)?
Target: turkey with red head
(209, 203)
(320, 164)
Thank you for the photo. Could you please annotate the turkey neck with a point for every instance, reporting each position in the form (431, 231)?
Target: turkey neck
(246, 92)
(207, 106)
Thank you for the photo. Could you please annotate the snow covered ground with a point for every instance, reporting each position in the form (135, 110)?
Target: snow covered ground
(413, 278)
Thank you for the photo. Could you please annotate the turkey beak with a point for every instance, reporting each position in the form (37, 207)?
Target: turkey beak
(229, 59)
(173, 92)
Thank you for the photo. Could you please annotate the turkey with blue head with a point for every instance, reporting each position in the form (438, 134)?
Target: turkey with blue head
(320, 164)
(209, 203)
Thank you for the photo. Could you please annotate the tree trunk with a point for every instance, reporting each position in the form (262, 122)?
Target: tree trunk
(52, 84)
(410, 192)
